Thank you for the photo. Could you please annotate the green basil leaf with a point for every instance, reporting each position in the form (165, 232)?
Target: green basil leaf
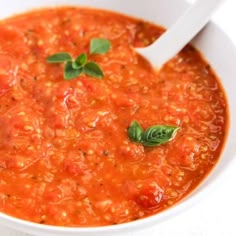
(70, 72)
(135, 132)
(99, 46)
(158, 134)
(59, 57)
(93, 69)
(80, 61)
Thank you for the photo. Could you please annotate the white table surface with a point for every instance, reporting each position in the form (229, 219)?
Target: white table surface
(214, 215)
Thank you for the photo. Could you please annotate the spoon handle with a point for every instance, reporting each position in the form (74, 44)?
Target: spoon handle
(180, 33)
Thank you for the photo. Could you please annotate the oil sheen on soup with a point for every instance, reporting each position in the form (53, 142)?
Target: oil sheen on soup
(66, 157)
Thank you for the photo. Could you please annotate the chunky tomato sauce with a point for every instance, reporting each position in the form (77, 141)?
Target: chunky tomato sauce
(65, 156)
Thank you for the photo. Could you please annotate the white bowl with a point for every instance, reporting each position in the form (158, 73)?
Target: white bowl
(216, 48)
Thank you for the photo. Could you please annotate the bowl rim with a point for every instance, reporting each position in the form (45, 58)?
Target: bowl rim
(187, 202)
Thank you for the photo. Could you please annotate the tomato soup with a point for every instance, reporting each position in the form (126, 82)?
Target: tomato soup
(66, 157)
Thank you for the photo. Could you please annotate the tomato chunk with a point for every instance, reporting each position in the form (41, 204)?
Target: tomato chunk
(184, 152)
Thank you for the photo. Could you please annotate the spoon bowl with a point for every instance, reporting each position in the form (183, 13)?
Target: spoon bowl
(180, 33)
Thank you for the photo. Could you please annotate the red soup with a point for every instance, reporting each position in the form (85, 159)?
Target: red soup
(68, 153)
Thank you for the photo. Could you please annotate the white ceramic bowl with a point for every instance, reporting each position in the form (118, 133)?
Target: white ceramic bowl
(219, 52)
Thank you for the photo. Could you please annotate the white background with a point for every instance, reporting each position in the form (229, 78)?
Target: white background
(216, 214)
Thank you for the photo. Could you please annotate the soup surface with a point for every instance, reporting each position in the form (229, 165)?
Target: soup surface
(65, 155)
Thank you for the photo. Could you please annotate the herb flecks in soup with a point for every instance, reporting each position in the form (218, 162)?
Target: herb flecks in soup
(66, 157)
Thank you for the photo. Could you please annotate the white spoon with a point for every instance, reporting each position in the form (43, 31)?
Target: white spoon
(179, 34)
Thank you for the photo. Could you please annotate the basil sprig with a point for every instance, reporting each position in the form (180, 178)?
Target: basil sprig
(75, 67)
(153, 136)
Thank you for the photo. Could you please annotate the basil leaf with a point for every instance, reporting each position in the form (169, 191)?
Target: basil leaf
(59, 57)
(93, 69)
(80, 60)
(99, 46)
(135, 132)
(158, 134)
(70, 72)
